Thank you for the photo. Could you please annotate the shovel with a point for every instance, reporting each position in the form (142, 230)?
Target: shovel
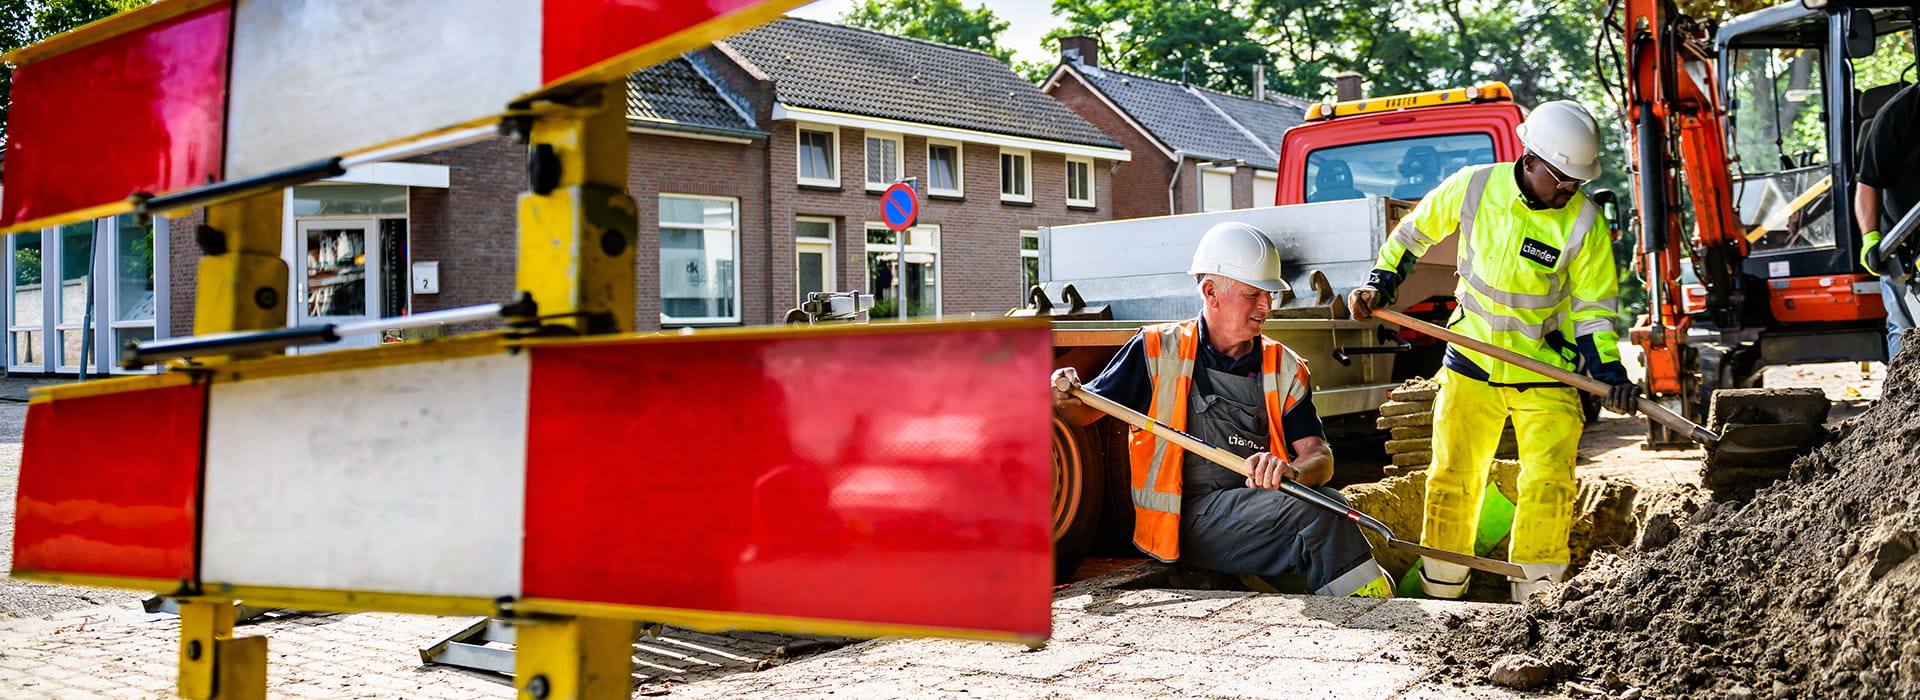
(1745, 442)
(1528, 572)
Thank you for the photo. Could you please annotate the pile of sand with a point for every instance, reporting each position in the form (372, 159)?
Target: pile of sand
(1809, 589)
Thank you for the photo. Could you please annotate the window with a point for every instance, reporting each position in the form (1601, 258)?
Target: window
(132, 303)
(943, 169)
(1400, 168)
(1266, 188)
(819, 156)
(1781, 147)
(1029, 262)
(883, 160)
(699, 253)
(1016, 179)
(1216, 189)
(1079, 182)
(813, 253)
(76, 268)
(921, 274)
(26, 310)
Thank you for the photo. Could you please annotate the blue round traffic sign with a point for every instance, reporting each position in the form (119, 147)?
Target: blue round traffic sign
(900, 207)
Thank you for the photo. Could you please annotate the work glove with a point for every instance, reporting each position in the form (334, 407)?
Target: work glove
(1360, 302)
(1623, 398)
(1869, 245)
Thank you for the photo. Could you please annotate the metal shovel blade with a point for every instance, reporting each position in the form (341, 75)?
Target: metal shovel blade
(1761, 432)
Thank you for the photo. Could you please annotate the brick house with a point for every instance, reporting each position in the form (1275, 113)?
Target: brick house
(1194, 149)
(757, 164)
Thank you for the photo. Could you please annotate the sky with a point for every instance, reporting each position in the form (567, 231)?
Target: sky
(1028, 19)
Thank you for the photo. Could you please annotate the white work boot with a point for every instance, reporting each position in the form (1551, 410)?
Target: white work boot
(1443, 579)
(1522, 589)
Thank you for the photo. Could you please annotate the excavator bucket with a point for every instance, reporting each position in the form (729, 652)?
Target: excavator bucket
(1762, 431)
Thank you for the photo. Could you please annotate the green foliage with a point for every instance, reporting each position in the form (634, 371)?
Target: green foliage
(1212, 44)
(27, 22)
(944, 21)
(26, 266)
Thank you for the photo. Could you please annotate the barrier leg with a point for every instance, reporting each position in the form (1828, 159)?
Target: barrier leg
(573, 658)
(214, 664)
(578, 226)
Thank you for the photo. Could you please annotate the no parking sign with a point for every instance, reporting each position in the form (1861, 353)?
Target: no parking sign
(900, 206)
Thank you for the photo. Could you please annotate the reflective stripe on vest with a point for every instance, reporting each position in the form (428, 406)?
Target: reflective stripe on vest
(1494, 309)
(1172, 349)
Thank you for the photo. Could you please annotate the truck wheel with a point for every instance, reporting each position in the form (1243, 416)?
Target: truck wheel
(1079, 483)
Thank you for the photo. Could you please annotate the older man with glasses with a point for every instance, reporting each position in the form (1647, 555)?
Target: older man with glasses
(1537, 276)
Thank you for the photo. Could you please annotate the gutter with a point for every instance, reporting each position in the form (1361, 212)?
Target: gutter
(1179, 158)
(719, 131)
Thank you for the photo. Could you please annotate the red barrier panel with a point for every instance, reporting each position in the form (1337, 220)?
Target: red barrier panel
(893, 476)
(100, 500)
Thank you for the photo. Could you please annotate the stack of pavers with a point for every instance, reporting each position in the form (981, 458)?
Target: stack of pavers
(1408, 416)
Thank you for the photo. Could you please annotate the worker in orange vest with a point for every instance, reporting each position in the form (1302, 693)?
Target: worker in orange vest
(1217, 378)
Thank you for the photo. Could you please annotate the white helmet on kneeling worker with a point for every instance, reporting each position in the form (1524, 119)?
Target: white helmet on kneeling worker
(1240, 252)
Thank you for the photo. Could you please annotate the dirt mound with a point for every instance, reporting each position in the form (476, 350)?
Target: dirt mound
(1810, 589)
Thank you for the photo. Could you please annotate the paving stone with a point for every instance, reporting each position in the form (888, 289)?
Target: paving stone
(1172, 635)
(990, 657)
(808, 679)
(1304, 679)
(1296, 610)
(1311, 643)
(1155, 672)
(990, 687)
(1421, 615)
(1169, 603)
(1072, 626)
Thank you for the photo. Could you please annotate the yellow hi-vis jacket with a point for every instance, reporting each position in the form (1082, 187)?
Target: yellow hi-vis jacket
(1530, 281)
(1171, 351)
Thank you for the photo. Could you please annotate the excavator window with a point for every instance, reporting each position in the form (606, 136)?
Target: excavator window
(1777, 119)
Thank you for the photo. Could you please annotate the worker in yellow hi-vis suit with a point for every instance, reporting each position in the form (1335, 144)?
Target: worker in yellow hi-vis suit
(1537, 276)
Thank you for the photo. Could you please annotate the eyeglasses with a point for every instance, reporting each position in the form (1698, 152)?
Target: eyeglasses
(1560, 180)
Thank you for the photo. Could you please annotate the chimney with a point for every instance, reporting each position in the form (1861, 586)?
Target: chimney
(1259, 83)
(1346, 87)
(1081, 49)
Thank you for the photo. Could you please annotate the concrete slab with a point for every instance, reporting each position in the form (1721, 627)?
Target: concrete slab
(1172, 635)
(1004, 658)
(1153, 673)
(1418, 615)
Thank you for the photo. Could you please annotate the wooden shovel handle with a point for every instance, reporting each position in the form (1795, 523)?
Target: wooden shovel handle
(1584, 383)
(1139, 420)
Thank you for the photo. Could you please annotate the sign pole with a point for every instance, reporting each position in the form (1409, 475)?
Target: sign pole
(900, 208)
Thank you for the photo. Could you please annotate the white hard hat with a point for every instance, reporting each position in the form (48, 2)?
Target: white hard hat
(1564, 134)
(1240, 252)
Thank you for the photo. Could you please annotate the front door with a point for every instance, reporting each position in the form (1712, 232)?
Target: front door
(339, 272)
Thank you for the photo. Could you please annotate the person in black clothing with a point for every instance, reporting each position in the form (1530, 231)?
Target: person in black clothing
(1889, 186)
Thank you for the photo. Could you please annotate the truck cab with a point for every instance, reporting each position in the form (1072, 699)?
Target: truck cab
(1398, 146)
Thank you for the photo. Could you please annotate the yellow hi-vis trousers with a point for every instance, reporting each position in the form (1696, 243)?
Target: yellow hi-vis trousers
(1468, 416)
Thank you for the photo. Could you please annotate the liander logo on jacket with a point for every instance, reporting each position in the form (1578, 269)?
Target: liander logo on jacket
(1539, 252)
(1238, 441)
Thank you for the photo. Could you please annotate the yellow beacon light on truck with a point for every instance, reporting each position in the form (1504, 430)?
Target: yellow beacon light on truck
(1484, 92)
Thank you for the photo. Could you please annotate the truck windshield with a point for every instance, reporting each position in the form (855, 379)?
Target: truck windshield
(1401, 168)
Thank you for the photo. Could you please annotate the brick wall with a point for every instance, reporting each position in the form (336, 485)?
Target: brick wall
(659, 165)
(1140, 184)
(980, 270)
(471, 227)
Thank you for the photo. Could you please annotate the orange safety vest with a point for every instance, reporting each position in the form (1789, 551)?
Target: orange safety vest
(1171, 351)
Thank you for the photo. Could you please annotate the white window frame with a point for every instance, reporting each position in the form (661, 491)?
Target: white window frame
(1266, 181)
(54, 261)
(829, 273)
(1025, 255)
(959, 168)
(1026, 161)
(1216, 175)
(1092, 195)
(930, 232)
(46, 306)
(739, 297)
(833, 154)
(110, 299)
(899, 159)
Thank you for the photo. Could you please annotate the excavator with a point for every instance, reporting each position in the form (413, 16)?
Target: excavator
(1743, 137)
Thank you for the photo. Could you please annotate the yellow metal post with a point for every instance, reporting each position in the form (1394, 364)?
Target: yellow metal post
(243, 285)
(578, 226)
(214, 664)
(573, 658)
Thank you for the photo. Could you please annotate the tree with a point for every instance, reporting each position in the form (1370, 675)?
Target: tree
(1209, 44)
(944, 21)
